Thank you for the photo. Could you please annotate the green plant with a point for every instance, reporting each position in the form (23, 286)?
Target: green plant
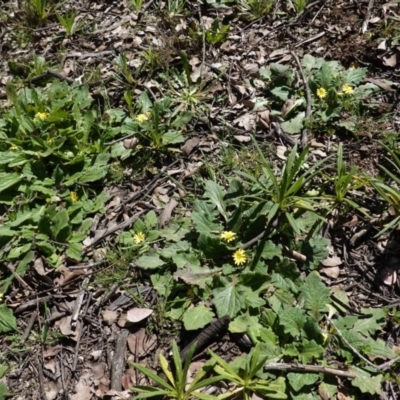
(176, 386)
(36, 11)
(244, 377)
(291, 193)
(70, 22)
(390, 192)
(299, 5)
(136, 5)
(123, 65)
(344, 182)
(254, 9)
(218, 33)
(175, 6)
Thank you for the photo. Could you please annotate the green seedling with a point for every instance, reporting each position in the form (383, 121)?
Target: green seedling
(254, 9)
(175, 386)
(70, 22)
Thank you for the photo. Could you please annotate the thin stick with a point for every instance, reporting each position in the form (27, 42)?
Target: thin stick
(308, 368)
(204, 43)
(353, 349)
(385, 366)
(29, 326)
(367, 16)
(304, 138)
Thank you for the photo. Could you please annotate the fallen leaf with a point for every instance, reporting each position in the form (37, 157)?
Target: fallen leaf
(331, 272)
(189, 145)
(389, 276)
(242, 138)
(167, 212)
(331, 262)
(138, 314)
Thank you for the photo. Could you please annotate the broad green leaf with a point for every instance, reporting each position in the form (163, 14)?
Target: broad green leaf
(197, 317)
(16, 252)
(151, 219)
(298, 380)
(186, 259)
(171, 137)
(8, 322)
(74, 251)
(309, 351)
(292, 319)
(212, 247)
(365, 382)
(271, 250)
(228, 300)
(23, 265)
(162, 283)
(152, 261)
(197, 275)
(294, 125)
(315, 295)
(214, 192)
(370, 325)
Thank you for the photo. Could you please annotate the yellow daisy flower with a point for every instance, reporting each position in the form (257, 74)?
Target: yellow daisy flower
(347, 89)
(239, 257)
(41, 116)
(74, 197)
(322, 93)
(143, 117)
(13, 147)
(228, 236)
(139, 237)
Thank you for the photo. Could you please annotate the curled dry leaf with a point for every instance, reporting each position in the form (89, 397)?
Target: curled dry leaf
(242, 138)
(138, 314)
(167, 212)
(389, 276)
(189, 145)
(131, 143)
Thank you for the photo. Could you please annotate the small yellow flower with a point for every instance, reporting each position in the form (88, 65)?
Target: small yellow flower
(228, 236)
(143, 117)
(322, 93)
(13, 147)
(239, 257)
(48, 200)
(190, 292)
(41, 116)
(139, 237)
(74, 197)
(352, 67)
(347, 89)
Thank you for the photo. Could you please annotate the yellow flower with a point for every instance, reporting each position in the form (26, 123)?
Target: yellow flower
(13, 147)
(321, 93)
(228, 236)
(74, 197)
(239, 257)
(139, 237)
(41, 116)
(48, 200)
(190, 292)
(143, 117)
(347, 89)
(352, 67)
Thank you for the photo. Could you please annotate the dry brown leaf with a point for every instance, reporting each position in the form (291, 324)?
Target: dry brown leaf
(390, 60)
(136, 314)
(131, 143)
(331, 272)
(389, 276)
(331, 262)
(64, 325)
(51, 389)
(98, 370)
(167, 212)
(242, 138)
(190, 144)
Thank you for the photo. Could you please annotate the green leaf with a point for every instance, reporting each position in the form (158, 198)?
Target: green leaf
(294, 125)
(365, 382)
(197, 275)
(298, 380)
(61, 228)
(371, 325)
(228, 300)
(292, 319)
(309, 351)
(212, 247)
(271, 250)
(214, 192)
(152, 261)
(315, 295)
(8, 180)
(151, 219)
(171, 137)
(8, 323)
(197, 317)
(74, 251)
